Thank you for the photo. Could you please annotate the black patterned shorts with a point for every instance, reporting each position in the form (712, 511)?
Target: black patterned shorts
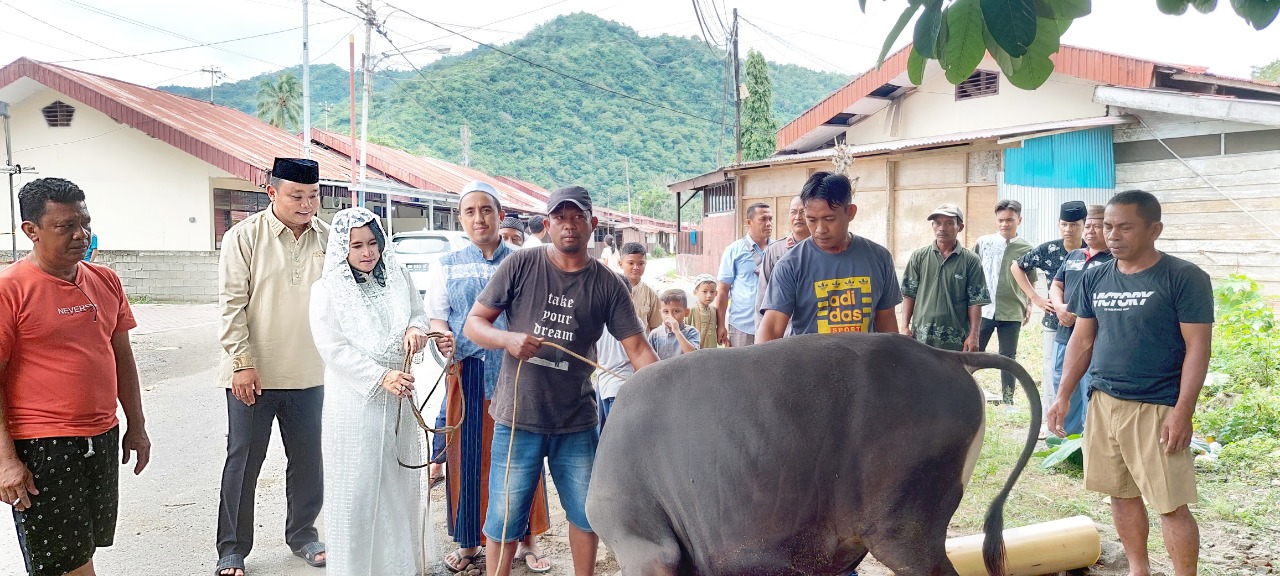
(75, 512)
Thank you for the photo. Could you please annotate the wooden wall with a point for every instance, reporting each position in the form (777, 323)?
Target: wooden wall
(1205, 227)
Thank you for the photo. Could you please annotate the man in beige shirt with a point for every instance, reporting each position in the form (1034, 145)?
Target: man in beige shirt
(271, 368)
(646, 301)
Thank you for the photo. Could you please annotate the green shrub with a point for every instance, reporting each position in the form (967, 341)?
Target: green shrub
(1235, 417)
(1246, 346)
(1257, 456)
(659, 251)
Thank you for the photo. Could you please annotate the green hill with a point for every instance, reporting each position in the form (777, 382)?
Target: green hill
(534, 124)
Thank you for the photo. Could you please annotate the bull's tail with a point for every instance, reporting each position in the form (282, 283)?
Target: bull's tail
(993, 554)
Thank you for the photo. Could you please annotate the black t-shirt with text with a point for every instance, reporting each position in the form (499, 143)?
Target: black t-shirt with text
(1139, 349)
(570, 309)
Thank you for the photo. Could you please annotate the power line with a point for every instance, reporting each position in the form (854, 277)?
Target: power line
(485, 26)
(558, 72)
(83, 39)
(163, 31)
(33, 41)
(193, 46)
(786, 44)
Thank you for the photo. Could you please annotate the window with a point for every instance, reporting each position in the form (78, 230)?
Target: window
(422, 245)
(981, 83)
(1185, 147)
(1257, 141)
(58, 114)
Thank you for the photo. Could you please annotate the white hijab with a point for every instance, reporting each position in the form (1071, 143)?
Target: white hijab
(373, 314)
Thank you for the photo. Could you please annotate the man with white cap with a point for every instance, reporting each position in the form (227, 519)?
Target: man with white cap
(943, 287)
(558, 295)
(271, 368)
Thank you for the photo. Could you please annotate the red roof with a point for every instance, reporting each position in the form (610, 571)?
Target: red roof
(642, 223)
(1095, 65)
(229, 139)
(426, 173)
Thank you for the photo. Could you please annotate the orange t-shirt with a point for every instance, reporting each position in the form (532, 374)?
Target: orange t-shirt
(55, 337)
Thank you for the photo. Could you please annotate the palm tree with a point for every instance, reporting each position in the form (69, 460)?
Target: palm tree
(280, 102)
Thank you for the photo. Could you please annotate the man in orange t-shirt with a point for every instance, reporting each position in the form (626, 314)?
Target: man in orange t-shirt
(65, 360)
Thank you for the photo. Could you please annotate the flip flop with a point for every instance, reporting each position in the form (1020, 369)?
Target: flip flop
(476, 560)
(435, 481)
(309, 552)
(536, 557)
(229, 562)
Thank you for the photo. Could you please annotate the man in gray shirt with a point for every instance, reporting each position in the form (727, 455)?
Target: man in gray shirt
(834, 281)
(775, 251)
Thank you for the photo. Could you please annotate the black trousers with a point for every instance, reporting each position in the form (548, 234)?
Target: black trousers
(248, 435)
(1008, 330)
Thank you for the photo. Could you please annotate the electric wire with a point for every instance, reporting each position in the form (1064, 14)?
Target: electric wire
(154, 28)
(558, 72)
(83, 39)
(206, 44)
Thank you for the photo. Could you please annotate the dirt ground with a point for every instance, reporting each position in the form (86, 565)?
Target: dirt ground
(168, 514)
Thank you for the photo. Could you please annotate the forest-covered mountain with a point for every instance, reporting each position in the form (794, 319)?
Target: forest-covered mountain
(531, 123)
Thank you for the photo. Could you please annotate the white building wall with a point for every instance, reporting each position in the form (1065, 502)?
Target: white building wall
(142, 193)
(933, 110)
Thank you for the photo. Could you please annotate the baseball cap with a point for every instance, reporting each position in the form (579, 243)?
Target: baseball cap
(948, 210)
(576, 194)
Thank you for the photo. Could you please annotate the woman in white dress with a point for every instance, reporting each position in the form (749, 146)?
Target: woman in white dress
(365, 315)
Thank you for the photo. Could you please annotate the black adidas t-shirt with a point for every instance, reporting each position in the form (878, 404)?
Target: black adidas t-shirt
(1138, 351)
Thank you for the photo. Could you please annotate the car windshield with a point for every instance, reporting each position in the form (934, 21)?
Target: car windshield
(422, 245)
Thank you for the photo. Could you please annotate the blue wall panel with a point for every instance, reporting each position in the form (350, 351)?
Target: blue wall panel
(1080, 159)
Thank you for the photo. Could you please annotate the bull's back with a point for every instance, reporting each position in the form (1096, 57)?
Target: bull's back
(779, 441)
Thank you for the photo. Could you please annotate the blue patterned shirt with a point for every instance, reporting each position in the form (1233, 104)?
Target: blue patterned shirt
(465, 273)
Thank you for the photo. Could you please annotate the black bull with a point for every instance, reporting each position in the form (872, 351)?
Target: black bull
(797, 457)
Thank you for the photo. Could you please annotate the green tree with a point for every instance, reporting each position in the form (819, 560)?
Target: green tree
(1019, 34)
(759, 128)
(1269, 72)
(280, 102)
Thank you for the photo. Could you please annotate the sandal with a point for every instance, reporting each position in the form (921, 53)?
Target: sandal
(458, 558)
(435, 481)
(229, 562)
(536, 558)
(309, 552)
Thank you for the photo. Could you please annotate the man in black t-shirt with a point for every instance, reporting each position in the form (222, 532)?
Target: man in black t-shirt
(1145, 322)
(559, 295)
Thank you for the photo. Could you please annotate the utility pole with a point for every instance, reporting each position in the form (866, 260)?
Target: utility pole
(215, 74)
(626, 168)
(306, 86)
(326, 108)
(737, 95)
(370, 20)
(466, 145)
(355, 200)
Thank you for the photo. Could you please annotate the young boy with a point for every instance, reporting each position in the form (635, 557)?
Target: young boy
(703, 316)
(674, 337)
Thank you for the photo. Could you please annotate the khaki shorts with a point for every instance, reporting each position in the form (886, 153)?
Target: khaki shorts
(1123, 456)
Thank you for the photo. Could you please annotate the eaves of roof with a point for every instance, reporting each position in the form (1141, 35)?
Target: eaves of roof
(1094, 65)
(229, 139)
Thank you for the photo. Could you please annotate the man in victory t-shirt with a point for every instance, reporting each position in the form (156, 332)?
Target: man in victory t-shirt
(1145, 321)
(834, 281)
(558, 295)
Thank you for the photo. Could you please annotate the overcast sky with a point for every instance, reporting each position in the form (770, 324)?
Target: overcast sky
(829, 35)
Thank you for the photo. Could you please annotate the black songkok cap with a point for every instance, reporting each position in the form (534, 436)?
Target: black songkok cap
(1073, 211)
(298, 170)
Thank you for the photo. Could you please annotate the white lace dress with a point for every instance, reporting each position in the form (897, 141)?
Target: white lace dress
(373, 507)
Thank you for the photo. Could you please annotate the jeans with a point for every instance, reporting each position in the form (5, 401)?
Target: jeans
(570, 457)
(1079, 406)
(1008, 331)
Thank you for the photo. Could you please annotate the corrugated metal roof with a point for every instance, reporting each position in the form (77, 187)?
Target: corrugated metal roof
(425, 173)
(1088, 64)
(929, 141)
(226, 138)
(650, 224)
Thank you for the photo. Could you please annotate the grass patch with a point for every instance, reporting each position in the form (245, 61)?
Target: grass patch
(140, 299)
